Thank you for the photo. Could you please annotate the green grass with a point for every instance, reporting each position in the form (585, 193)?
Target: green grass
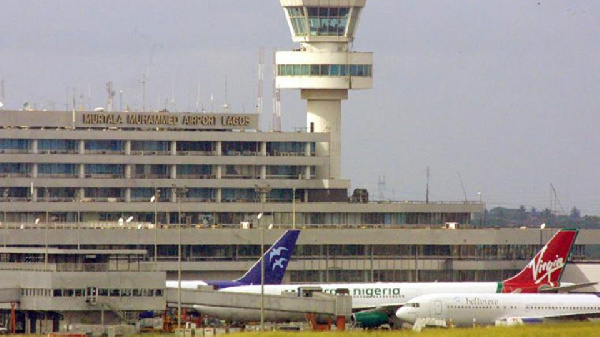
(583, 329)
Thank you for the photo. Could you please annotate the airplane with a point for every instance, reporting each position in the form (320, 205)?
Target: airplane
(276, 260)
(375, 304)
(470, 309)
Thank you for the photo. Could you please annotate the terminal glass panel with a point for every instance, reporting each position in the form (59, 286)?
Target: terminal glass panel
(57, 170)
(284, 172)
(194, 171)
(194, 147)
(242, 172)
(240, 148)
(149, 147)
(104, 170)
(327, 21)
(105, 194)
(146, 171)
(104, 146)
(360, 70)
(201, 194)
(298, 20)
(57, 146)
(285, 148)
(239, 195)
(15, 169)
(15, 145)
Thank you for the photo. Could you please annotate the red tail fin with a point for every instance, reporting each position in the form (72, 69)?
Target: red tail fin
(547, 266)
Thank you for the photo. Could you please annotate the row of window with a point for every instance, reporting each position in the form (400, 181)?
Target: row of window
(147, 171)
(397, 275)
(333, 70)
(528, 307)
(62, 194)
(86, 292)
(561, 307)
(322, 21)
(152, 147)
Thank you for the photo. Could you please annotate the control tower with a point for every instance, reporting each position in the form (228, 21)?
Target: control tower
(324, 68)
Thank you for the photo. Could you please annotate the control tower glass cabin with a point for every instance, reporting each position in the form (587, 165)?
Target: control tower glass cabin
(324, 68)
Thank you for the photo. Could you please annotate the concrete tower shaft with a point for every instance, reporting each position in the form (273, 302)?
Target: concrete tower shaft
(324, 68)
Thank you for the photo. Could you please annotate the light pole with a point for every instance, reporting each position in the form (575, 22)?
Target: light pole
(294, 208)
(154, 200)
(262, 191)
(481, 217)
(542, 226)
(180, 192)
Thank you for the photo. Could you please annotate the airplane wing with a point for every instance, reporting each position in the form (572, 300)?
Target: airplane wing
(567, 288)
(385, 307)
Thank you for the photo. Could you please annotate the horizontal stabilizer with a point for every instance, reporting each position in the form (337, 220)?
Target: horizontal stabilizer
(567, 288)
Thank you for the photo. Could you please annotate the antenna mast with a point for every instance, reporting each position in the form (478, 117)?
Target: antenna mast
(381, 187)
(462, 186)
(111, 94)
(427, 187)
(276, 98)
(2, 97)
(143, 92)
(172, 106)
(198, 97)
(555, 202)
(261, 79)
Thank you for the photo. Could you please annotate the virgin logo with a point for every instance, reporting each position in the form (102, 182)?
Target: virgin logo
(543, 269)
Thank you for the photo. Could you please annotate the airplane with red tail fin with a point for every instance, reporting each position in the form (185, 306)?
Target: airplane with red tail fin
(543, 272)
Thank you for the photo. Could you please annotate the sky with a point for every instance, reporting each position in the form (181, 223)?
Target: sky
(499, 100)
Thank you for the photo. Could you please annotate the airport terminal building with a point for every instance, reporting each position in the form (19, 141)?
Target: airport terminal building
(122, 193)
(113, 181)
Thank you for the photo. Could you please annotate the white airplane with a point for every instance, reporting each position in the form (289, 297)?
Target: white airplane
(375, 304)
(499, 309)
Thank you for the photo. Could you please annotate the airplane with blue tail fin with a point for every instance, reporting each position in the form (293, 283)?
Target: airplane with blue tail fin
(276, 260)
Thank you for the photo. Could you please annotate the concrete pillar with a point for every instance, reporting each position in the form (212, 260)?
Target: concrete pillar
(34, 146)
(27, 324)
(173, 148)
(263, 152)
(324, 114)
(128, 194)
(218, 149)
(218, 171)
(127, 147)
(82, 147)
(218, 195)
(263, 149)
(307, 153)
(34, 170)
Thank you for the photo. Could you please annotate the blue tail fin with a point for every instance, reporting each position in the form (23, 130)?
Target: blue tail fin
(276, 260)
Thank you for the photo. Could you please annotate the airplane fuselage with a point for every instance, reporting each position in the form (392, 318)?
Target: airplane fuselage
(372, 295)
(487, 309)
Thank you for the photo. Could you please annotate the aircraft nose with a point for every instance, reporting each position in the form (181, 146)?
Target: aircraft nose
(406, 315)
